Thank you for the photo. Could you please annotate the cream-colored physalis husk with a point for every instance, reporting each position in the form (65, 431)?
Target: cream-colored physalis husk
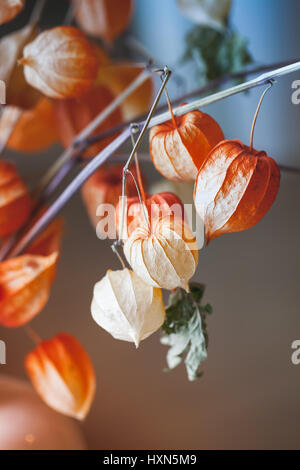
(167, 256)
(126, 307)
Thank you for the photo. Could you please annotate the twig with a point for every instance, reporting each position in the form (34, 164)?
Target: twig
(37, 12)
(71, 11)
(257, 112)
(93, 165)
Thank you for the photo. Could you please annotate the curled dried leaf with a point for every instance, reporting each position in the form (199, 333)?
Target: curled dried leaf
(166, 257)
(62, 374)
(178, 148)
(73, 115)
(9, 9)
(126, 307)
(25, 284)
(106, 19)
(61, 63)
(235, 188)
(117, 77)
(15, 202)
(35, 130)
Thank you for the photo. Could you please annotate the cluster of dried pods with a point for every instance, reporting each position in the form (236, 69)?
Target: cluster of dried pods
(67, 81)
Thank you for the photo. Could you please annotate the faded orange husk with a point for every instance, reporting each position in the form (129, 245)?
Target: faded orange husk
(61, 63)
(62, 374)
(74, 115)
(25, 284)
(179, 148)
(106, 19)
(15, 203)
(105, 187)
(235, 188)
(117, 77)
(49, 241)
(9, 9)
(35, 130)
(156, 206)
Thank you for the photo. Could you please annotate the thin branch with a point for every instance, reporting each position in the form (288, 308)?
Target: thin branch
(94, 164)
(71, 11)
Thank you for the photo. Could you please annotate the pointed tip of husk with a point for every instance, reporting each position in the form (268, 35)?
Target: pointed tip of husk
(25, 61)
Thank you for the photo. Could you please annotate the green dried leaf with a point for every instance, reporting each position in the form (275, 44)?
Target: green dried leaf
(216, 53)
(186, 330)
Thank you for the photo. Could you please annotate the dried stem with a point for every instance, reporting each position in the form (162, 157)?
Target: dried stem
(257, 111)
(35, 338)
(71, 11)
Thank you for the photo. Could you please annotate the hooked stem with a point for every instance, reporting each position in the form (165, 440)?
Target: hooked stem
(257, 112)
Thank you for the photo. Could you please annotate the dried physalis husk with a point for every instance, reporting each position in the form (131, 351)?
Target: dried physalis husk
(106, 19)
(73, 115)
(235, 188)
(105, 187)
(9, 9)
(164, 257)
(49, 241)
(63, 375)
(126, 307)
(36, 129)
(117, 77)
(61, 63)
(18, 92)
(155, 206)
(179, 147)
(15, 202)
(25, 284)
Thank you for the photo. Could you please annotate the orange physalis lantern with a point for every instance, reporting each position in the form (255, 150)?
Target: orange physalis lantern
(74, 115)
(235, 188)
(106, 19)
(105, 187)
(155, 206)
(15, 203)
(49, 241)
(62, 374)
(25, 284)
(117, 77)
(61, 63)
(35, 130)
(9, 9)
(179, 147)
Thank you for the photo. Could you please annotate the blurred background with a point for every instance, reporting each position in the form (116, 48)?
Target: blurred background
(248, 397)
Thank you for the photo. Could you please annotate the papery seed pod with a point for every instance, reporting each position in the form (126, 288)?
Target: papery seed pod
(25, 284)
(9, 9)
(49, 241)
(62, 374)
(157, 205)
(105, 187)
(126, 307)
(15, 203)
(235, 188)
(117, 77)
(74, 115)
(166, 257)
(35, 130)
(60, 63)
(179, 149)
(18, 92)
(106, 19)
(213, 13)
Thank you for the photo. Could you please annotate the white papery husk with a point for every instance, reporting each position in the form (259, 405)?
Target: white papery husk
(167, 256)
(126, 307)
(211, 13)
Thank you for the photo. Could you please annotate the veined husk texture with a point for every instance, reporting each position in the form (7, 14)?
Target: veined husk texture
(167, 256)
(235, 188)
(62, 374)
(61, 63)
(126, 307)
